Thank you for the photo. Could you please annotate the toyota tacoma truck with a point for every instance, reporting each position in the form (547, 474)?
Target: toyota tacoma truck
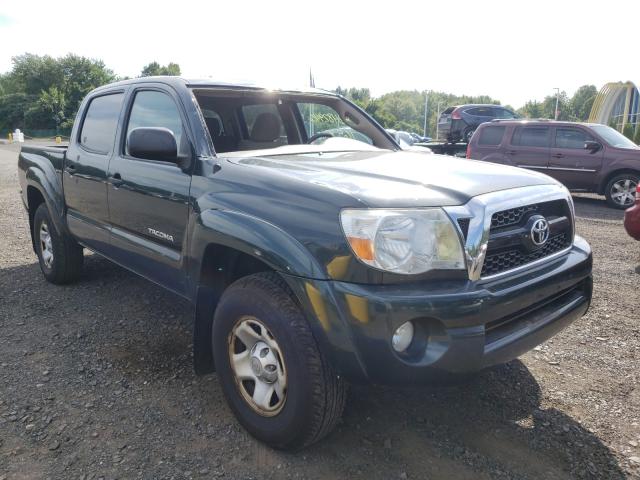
(315, 251)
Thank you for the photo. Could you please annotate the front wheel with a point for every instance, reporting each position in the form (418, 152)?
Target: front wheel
(621, 190)
(274, 377)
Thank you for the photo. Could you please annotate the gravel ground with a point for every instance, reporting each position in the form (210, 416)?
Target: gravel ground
(96, 381)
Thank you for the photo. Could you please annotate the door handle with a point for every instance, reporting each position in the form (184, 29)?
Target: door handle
(116, 180)
(558, 155)
(511, 152)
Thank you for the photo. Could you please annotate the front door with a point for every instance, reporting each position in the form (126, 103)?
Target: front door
(570, 163)
(149, 199)
(85, 171)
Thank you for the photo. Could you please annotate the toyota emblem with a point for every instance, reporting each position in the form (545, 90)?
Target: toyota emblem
(539, 231)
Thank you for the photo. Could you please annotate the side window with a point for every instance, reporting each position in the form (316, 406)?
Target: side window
(100, 123)
(531, 136)
(481, 111)
(571, 138)
(491, 136)
(502, 113)
(155, 109)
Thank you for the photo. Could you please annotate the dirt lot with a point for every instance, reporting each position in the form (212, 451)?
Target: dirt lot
(96, 382)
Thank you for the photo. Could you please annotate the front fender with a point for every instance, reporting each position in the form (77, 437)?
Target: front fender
(254, 237)
(251, 236)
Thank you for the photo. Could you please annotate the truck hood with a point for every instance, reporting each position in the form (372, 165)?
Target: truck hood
(396, 179)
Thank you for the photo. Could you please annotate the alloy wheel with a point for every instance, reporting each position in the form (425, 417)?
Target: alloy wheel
(623, 192)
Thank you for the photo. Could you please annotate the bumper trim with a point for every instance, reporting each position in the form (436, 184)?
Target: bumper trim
(454, 319)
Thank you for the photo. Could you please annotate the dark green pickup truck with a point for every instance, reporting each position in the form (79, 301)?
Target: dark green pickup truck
(315, 251)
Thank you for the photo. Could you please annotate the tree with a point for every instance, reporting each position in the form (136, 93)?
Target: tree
(576, 109)
(12, 110)
(52, 103)
(154, 69)
(54, 86)
(531, 109)
(582, 101)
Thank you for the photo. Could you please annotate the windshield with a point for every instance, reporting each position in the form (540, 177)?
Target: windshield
(613, 137)
(256, 121)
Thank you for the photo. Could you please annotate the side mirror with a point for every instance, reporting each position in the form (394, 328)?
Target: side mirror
(153, 143)
(592, 146)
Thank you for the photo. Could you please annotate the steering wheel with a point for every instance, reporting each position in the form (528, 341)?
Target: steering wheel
(318, 136)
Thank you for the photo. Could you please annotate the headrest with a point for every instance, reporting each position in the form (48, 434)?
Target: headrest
(213, 124)
(266, 128)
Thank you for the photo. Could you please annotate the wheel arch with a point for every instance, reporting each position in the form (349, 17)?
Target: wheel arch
(228, 246)
(34, 199)
(619, 171)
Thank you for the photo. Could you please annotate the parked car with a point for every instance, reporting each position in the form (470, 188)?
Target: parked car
(401, 136)
(632, 217)
(419, 138)
(458, 123)
(407, 141)
(310, 260)
(583, 156)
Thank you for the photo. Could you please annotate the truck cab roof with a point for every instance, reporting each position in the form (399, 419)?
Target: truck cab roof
(204, 83)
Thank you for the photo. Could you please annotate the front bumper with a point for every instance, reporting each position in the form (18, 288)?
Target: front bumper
(460, 326)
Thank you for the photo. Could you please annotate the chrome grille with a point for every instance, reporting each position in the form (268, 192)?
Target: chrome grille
(505, 249)
(513, 216)
(507, 260)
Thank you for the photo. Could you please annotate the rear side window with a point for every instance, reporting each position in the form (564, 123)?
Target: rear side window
(100, 123)
(531, 136)
(481, 111)
(155, 109)
(448, 110)
(571, 138)
(491, 136)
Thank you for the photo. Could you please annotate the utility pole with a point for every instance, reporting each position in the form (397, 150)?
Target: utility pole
(557, 101)
(426, 106)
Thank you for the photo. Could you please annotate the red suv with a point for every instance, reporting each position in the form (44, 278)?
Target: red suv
(632, 217)
(583, 156)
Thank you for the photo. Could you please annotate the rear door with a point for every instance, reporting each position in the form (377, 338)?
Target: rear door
(529, 147)
(149, 199)
(85, 173)
(569, 162)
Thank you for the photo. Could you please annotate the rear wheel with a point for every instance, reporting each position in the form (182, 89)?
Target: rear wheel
(621, 190)
(468, 133)
(59, 255)
(273, 374)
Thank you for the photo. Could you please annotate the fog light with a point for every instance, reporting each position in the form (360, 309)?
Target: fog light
(402, 337)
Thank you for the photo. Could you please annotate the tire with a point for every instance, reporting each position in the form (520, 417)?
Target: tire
(313, 398)
(468, 133)
(59, 255)
(620, 190)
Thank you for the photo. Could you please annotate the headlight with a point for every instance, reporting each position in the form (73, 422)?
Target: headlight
(403, 241)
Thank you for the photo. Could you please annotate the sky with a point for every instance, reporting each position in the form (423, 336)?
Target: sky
(513, 51)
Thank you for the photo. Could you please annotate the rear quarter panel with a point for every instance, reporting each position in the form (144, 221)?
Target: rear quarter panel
(41, 168)
(491, 153)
